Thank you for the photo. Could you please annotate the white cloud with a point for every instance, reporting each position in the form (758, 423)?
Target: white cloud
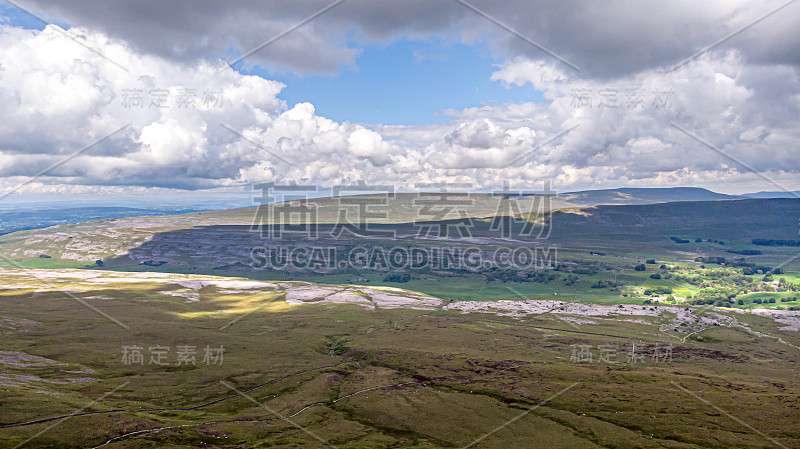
(606, 39)
(721, 99)
(368, 144)
(59, 97)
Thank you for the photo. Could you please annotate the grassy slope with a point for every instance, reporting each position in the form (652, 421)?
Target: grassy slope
(624, 234)
(469, 374)
(464, 376)
(102, 238)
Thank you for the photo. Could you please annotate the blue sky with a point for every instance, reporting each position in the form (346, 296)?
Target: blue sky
(405, 83)
(19, 18)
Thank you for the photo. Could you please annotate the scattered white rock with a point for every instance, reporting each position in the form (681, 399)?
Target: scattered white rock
(19, 324)
(23, 360)
(397, 298)
(791, 318)
(369, 297)
(190, 295)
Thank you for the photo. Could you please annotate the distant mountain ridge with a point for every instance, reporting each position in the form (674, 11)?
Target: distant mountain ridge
(645, 195)
(774, 194)
(221, 238)
(400, 208)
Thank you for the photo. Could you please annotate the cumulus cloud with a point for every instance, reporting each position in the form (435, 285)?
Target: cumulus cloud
(196, 124)
(627, 130)
(629, 121)
(604, 39)
(191, 125)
